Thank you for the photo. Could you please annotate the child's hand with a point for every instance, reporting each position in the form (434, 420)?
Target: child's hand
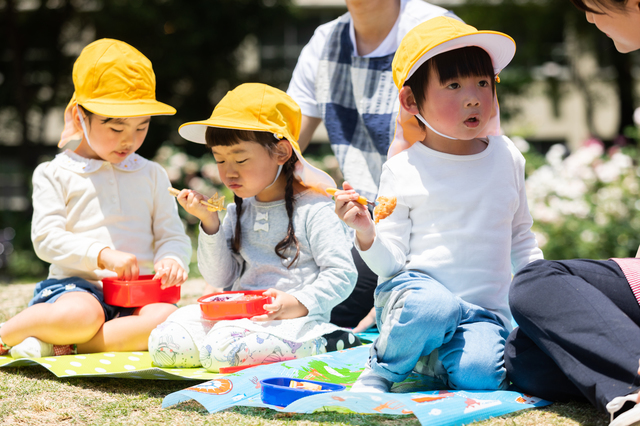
(366, 322)
(169, 272)
(123, 264)
(284, 306)
(190, 200)
(355, 215)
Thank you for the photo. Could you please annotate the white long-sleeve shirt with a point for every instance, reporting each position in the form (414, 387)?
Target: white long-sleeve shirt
(462, 219)
(81, 206)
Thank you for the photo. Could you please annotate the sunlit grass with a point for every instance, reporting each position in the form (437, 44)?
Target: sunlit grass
(34, 396)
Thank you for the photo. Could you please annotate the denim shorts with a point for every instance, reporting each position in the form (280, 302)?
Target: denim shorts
(50, 290)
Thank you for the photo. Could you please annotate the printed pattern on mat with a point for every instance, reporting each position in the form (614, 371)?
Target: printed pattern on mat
(132, 365)
(421, 395)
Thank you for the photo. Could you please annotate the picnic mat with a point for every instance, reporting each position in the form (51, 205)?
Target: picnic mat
(131, 365)
(420, 395)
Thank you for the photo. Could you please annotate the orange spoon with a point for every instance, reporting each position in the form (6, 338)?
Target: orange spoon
(361, 199)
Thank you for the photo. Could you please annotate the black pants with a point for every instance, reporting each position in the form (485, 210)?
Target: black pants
(359, 303)
(579, 331)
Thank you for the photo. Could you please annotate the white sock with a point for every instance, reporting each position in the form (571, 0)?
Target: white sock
(31, 347)
(371, 382)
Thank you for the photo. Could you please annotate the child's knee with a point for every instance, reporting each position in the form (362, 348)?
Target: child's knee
(223, 348)
(478, 373)
(157, 313)
(409, 307)
(170, 345)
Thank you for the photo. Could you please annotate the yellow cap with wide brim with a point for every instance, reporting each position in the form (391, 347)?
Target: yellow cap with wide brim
(442, 34)
(431, 38)
(261, 108)
(113, 79)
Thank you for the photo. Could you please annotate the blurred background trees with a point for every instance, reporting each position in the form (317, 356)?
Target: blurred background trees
(567, 84)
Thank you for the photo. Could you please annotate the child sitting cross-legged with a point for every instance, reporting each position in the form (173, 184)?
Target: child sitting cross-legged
(280, 235)
(461, 224)
(101, 211)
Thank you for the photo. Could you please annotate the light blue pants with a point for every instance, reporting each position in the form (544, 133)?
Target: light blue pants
(460, 343)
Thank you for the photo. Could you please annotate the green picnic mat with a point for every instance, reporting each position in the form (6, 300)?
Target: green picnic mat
(130, 365)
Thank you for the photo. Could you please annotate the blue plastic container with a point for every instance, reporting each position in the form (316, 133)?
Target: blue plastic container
(276, 390)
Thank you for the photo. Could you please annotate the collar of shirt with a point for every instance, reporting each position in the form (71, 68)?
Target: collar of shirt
(71, 161)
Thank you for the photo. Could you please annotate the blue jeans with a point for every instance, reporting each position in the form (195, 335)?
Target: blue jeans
(419, 317)
(50, 290)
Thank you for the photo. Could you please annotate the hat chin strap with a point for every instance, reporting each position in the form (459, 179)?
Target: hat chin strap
(421, 118)
(84, 129)
(277, 176)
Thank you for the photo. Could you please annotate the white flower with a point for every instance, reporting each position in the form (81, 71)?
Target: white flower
(179, 159)
(588, 236)
(555, 154)
(636, 116)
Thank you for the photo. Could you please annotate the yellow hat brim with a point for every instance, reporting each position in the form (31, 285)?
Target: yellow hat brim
(443, 34)
(194, 131)
(500, 47)
(125, 109)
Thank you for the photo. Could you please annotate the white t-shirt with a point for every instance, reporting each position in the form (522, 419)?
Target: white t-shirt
(302, 86)
(461, 219)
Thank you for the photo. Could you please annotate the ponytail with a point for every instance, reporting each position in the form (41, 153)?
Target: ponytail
(290, 239)
(235, 245)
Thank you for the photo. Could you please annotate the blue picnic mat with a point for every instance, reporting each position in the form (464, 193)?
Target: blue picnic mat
(418, 395)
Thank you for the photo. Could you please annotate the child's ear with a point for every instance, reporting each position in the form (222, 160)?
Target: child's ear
(283, 151)
(74, 115)
(408, 101)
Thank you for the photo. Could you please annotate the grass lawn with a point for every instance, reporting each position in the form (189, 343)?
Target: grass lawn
(33, 396)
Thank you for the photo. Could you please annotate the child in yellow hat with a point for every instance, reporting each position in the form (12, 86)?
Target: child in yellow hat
(461, 225)
(280, 235)
(101, 211)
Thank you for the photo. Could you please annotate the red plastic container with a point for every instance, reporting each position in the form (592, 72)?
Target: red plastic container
(229, 305)
(140, 292)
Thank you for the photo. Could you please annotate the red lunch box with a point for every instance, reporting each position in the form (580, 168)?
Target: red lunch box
(229, 305)
(134, 293)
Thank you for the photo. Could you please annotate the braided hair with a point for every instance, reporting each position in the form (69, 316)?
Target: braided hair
(217, 136)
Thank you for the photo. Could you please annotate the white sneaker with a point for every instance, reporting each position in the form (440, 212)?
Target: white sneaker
(627, 418)
(31, 347)
(371, 382)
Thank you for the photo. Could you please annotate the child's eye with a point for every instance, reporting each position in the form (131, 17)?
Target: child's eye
(241, 161)
(453, 86)
(483, 83)
(116, 130)
(142, 130)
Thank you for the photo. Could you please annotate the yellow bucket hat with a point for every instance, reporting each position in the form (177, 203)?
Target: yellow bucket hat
(261, 108)
(112, 79)
(431, 38)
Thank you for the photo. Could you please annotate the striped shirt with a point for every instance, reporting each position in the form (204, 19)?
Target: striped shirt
(631, 270)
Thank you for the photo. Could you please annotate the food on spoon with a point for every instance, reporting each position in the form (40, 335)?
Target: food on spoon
(384, 208)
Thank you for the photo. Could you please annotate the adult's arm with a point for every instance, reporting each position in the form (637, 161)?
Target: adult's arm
(307, 127)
